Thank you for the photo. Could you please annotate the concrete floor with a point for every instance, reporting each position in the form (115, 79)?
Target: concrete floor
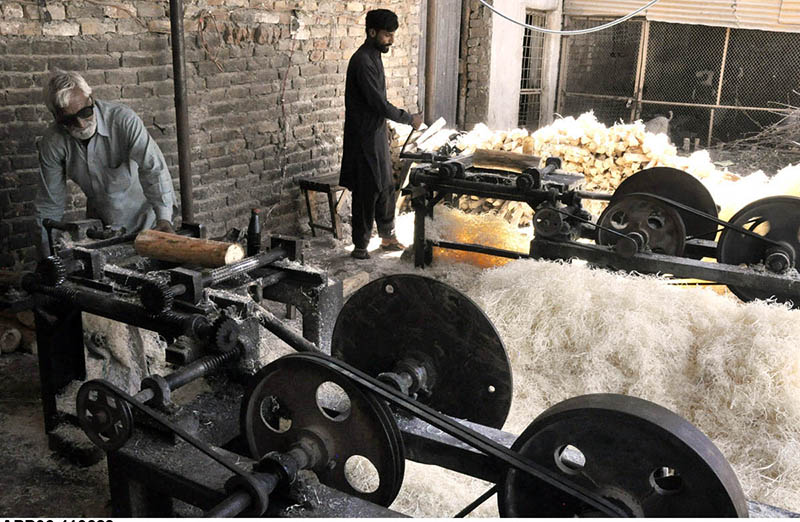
(35, 482)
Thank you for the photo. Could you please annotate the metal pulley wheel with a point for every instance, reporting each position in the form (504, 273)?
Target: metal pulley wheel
(680, 187)
(640, 456)
(403, 320)
(292, 398)
(548, 223)
(776, 218)
(649, 221)
(105, 418)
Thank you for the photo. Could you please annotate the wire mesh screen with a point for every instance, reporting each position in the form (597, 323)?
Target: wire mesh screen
(531, 83)
(680, 74)
(601, 63)
(762, 69)
(683, 63)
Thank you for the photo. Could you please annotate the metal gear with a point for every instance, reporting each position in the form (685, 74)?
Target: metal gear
(52, 271)
(226, 334)
(156, 295)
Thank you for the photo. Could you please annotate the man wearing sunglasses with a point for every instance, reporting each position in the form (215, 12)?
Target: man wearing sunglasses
(105, 148)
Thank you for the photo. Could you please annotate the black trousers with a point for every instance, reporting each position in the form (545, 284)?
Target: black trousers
(371, 205)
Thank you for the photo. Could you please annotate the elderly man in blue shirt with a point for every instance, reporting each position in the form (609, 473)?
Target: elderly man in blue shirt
(105, 148)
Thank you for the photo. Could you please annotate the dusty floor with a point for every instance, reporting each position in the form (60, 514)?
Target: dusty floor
(35, 482)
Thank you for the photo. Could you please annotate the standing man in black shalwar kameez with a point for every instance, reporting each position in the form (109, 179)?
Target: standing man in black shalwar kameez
(366, 164)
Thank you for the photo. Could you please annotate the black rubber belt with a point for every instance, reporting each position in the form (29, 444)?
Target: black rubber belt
(709, 217)
(467, 436)
(174, 428)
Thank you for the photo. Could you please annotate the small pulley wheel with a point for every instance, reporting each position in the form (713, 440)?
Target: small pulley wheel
(651, 221)
(776, 218)
(409, 317)
(104, 417)
(548, 222)
(364, 452)
(638, 455)
(679, 186)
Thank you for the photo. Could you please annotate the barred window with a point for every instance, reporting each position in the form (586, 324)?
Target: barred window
(530, 93)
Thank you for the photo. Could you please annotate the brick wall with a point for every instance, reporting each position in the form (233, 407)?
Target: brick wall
(479, 54)
(240, 56)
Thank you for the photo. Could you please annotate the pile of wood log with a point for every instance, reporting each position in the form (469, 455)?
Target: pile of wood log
(517, 213)
(604, 155)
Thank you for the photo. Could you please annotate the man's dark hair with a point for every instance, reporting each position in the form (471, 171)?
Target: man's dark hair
(382, 19)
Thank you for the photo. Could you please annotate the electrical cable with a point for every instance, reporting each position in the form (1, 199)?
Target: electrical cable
(574, 31)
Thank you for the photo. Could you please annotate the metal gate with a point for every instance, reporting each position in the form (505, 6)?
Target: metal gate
(719, 83)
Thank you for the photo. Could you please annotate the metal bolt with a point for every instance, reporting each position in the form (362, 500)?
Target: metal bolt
(777, 261)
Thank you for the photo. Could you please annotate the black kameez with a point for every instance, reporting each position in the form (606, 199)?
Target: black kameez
(366, 164)
(366, 111)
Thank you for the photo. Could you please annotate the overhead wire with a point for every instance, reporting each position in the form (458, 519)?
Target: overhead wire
(573, 31)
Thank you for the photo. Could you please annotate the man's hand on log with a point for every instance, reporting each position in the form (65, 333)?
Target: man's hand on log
(162, 225)
(416, 121)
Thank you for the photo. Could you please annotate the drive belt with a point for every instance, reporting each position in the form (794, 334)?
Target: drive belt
(709, 217)
(397, 399)
(461, 433)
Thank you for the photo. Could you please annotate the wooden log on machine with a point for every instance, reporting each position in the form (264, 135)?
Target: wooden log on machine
(503, 160)
(189, 250)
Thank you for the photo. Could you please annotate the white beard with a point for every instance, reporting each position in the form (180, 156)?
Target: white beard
(85, 133)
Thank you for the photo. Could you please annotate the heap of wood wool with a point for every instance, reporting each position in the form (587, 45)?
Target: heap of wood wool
(487, 230)
(731, 192)
(731, 369)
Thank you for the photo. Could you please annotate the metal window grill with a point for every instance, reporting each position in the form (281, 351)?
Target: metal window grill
(720, 84)
(530, 93)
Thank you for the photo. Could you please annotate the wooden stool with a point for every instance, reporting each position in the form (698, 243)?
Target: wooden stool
(327, 185)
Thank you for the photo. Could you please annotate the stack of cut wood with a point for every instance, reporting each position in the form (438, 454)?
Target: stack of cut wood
(515, 212)
(604, 155)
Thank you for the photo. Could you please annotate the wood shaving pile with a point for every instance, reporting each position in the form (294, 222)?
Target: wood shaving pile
(732, 369)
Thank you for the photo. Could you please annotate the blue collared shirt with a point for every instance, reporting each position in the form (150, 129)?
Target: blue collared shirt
(121, 170)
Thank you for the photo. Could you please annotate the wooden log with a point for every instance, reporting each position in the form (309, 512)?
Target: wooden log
(354, 282)
(10, 339)
(429, 132)
(498, 159)
(182, 249)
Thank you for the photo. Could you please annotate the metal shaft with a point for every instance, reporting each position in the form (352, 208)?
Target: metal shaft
(187, 374)
(181, 110)
(284, 333)
(199, 368)
(245, 265)
(231, 506)
(106, 305)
